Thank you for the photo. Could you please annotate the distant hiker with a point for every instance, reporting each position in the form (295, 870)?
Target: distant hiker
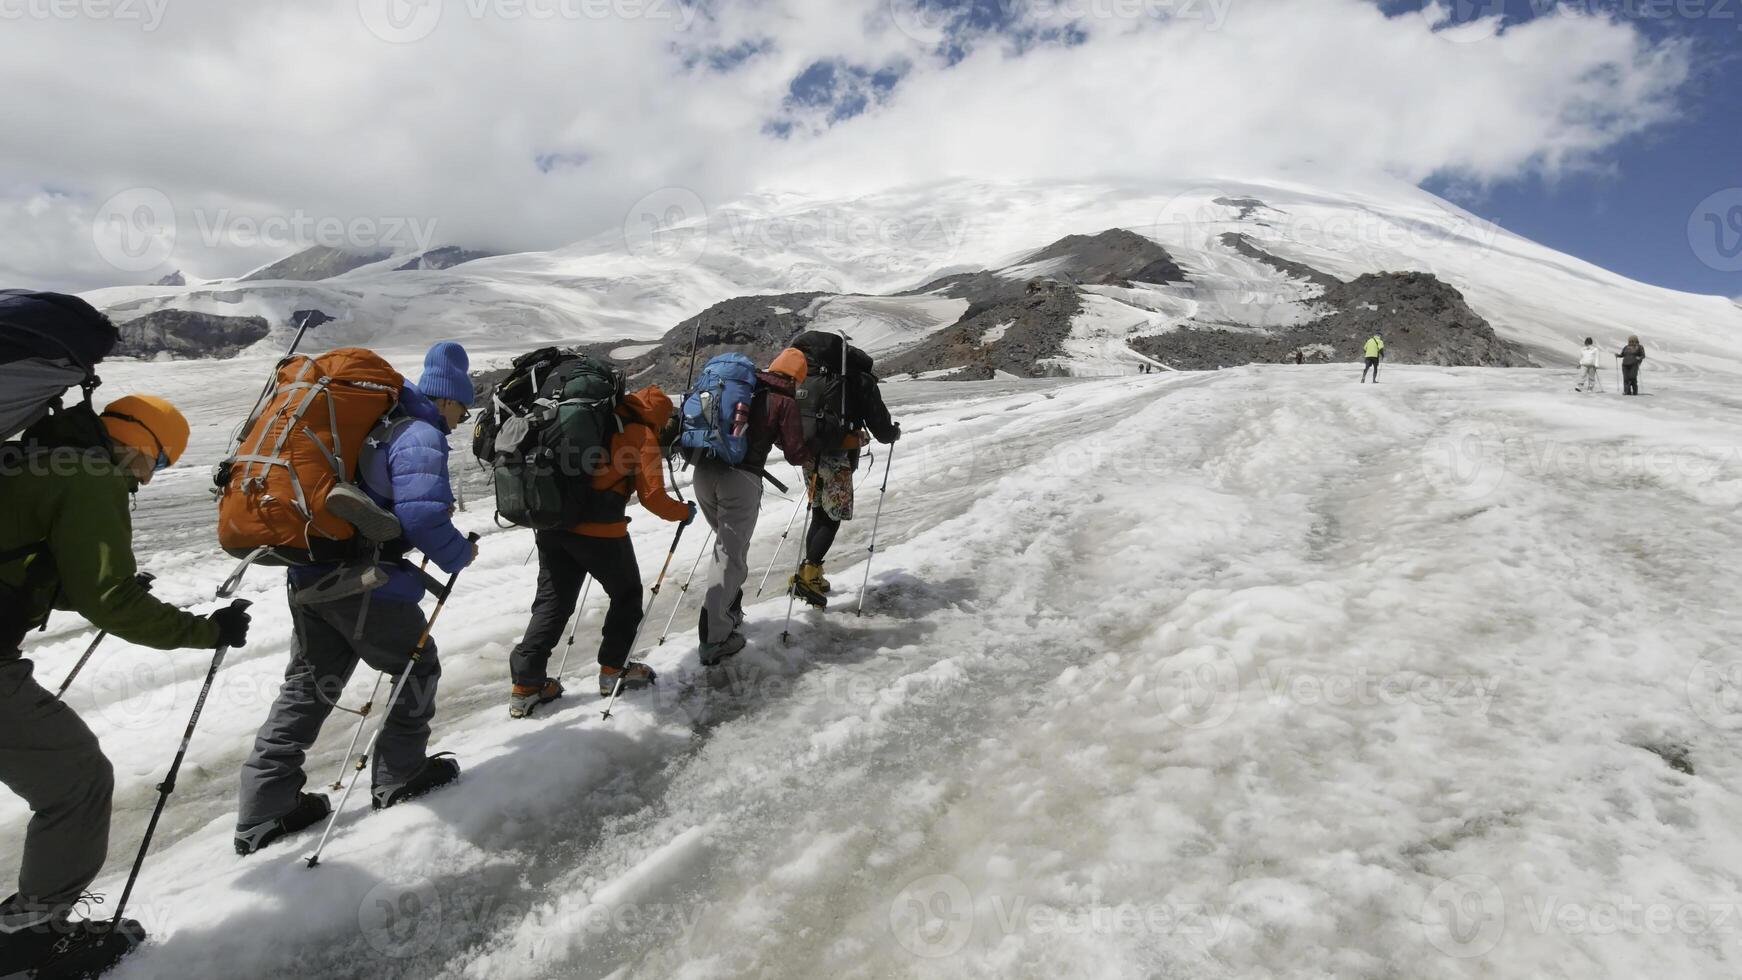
(599, 547)
(1374, 350)
(1589, 358)
(728, 442)
(1299, 356)
(342, 613)
(1632, 355)
(66, 542)
(838, 403)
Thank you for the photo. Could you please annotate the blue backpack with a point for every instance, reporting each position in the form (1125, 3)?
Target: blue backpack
(712, 424)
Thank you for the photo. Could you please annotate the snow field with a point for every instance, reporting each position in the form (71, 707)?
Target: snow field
(1247, 673)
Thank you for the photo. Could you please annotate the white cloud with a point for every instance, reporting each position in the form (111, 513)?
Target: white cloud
(240, 113)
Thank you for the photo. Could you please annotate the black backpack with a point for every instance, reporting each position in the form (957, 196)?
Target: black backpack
(546, 431)
(826, 404)
(50, 343)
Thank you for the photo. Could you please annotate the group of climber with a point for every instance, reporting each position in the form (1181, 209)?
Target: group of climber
(339, 473)
(1631, 356)
(817, 400)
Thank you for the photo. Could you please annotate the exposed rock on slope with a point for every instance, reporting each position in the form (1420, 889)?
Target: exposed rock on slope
(183, 334)
(445, 257)
(316, 263)
(1010, 335)
(1422, 320)
(756, 325)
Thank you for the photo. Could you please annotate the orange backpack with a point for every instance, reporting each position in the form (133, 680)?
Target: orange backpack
(303, 440)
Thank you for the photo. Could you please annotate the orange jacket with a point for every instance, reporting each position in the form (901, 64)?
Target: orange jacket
(634, 464)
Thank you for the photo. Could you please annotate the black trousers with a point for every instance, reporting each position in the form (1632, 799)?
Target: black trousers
(564, 562)
(1630, 379)
(1371, 365)
(821, 537)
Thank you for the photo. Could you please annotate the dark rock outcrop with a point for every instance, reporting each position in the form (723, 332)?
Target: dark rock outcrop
(1298, 270)
(1009, 335)
(755, 325)
(317, 263)
(185, 334)
(445, 257)
(1112, 254)
(1422, 319)
(173, 279)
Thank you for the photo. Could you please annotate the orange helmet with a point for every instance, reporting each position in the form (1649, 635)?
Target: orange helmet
(148, 425)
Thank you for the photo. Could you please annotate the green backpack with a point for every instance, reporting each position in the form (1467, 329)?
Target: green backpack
(545, 434)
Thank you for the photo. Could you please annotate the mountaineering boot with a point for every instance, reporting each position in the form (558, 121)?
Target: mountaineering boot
(713, 653)
(349, 503)
(310, 809)
(438, 770)
(56, 948)
(526, 697)
(808, 585)
(635, 674)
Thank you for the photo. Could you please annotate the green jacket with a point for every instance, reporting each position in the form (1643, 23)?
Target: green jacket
(1375, 347)
(79, 513)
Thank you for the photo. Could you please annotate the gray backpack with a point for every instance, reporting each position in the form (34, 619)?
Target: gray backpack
(49, 343)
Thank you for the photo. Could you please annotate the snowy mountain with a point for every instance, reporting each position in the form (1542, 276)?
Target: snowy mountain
(1247, 673)
(1254, 255)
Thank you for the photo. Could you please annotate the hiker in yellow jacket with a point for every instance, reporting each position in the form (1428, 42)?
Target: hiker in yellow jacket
(1375, 350)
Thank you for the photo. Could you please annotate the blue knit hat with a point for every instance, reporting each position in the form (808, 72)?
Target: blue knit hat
(445, 374)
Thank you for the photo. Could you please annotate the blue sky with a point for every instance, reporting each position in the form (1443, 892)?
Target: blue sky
(1629, 211)
(1633, 217)
(718, 99)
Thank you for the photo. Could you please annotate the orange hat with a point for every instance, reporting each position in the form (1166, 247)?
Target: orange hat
(791, 363)
(148, 424)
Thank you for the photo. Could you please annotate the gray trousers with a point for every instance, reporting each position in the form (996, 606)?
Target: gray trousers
(322, 656)
(49, 757)
(730, 500)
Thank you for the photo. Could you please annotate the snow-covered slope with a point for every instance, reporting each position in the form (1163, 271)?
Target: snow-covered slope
(1252, 673)
(637, 283)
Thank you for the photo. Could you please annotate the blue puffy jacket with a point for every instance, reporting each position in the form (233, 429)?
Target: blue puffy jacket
(408, 472)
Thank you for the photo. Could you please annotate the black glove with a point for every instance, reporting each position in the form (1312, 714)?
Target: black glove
(894, 433)
(691, 519)
(232, 622)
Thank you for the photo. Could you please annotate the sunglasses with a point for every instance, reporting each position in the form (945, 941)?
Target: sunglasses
(162, 462)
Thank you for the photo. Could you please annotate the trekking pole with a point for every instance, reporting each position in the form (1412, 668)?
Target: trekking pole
(357, 733)
(791, 593)
(871, 551)
(686, 588)
(362, 716)
(144, 579)
(651, 599)
(580, 611)
(392, 699)
(168, 785)
(778, 546)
